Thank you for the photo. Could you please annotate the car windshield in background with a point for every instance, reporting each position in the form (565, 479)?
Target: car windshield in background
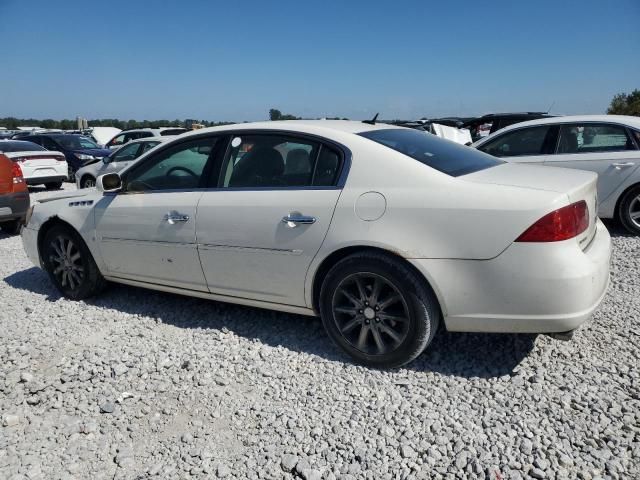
(20, 147)
(75, 142)
(442, 155)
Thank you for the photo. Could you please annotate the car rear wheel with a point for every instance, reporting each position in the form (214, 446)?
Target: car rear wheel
(629, 211)
(378, 310)
(70, 264)
(87, 182)
(53, 185)
(12, 227)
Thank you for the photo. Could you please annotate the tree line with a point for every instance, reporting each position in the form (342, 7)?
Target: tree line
(621, 104)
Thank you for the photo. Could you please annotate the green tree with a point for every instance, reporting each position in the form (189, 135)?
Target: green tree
(275, 114)
(625, 104)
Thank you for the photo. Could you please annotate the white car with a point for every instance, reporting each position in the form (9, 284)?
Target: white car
(39, 166)
(126, 136)
(385, 232)
(117, 161)
(101, 135)
(606, 144)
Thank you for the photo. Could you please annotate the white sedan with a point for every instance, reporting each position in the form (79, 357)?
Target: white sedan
(39, 166)
(385, 232)
(608, 145)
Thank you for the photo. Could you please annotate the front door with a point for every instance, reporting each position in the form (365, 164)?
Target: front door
(259, 231)
(147, 232)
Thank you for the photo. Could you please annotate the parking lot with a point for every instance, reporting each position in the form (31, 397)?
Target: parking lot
(138, 383)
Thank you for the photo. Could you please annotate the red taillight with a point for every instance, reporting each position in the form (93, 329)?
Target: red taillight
(16, 173)
(562, 224)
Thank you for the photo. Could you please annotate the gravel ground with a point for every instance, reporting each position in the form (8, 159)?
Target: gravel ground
(137, 384)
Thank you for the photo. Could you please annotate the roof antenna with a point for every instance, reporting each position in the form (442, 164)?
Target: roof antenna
(551, 106)
(372, 121)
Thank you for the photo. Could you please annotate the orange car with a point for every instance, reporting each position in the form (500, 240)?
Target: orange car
(14, 196)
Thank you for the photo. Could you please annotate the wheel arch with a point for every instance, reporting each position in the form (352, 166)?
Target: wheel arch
(334, 257)
(616, 211)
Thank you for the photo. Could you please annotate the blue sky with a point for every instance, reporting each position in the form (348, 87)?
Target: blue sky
(235, 60)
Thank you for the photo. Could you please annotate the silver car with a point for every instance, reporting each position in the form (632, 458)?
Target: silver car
(117, 161)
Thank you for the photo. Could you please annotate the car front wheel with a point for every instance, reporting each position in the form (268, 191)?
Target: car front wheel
(70, 264)
(378, 310)
(629, 212)
(87, 182)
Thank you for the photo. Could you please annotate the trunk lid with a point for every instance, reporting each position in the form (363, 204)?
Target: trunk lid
(37, 159)
(577, 185)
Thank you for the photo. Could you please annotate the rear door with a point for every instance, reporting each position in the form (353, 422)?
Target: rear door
(260, 229)
(523, 145)
(607, 149)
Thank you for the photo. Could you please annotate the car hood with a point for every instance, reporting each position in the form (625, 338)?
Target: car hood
(96, 152)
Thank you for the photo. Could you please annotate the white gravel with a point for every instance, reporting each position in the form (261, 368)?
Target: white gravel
(137, 384)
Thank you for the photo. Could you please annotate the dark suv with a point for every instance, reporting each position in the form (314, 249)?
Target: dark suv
(77, 149)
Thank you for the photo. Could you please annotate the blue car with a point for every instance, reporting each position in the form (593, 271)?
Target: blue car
(78, 149)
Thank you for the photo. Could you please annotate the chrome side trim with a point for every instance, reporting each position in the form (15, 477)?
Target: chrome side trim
(137, 241)
(282, 251)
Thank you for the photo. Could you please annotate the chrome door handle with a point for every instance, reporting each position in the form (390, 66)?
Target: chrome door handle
(172, 217)
(623, 165)
(293, 220)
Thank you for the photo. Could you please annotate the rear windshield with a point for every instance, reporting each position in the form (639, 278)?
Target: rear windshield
(443, 155)
(20, 147)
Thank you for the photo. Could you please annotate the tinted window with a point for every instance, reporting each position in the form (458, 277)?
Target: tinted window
(180, 167)
(524, 141)
(144, 134)
(173, 131)
(269, 161)
(593, 138)
(445, 156)
(126, 153)
(48, 143)
(117, 140)
(7, 146)
(75, 142)
(147, 146)
(327, 168)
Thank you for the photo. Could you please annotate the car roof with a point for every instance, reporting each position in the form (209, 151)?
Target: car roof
(622, 119)
(302, 126)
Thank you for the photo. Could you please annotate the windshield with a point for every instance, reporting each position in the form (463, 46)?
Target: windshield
(75, 142)
(20, 147)
(443, 155)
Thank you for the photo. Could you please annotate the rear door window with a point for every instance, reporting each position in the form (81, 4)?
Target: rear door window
(278, 161)
(520, 142)
(593, 138)
(442, 155)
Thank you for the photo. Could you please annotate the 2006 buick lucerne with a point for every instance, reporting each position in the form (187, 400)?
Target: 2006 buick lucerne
(385, 232)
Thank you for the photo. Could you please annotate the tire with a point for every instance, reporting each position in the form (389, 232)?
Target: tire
(87, 182)
(53, 185)
(72, 175)
(351, 304)
(81, 277)
(629, 210)
(12, 227)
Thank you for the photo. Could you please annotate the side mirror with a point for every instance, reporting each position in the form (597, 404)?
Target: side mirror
(109, 182)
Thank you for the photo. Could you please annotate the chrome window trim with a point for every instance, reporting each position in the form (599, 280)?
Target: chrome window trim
(347, 158)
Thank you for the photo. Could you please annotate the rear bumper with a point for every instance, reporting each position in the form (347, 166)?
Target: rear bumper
(529, 288)
(48, 179)
(13, 205)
